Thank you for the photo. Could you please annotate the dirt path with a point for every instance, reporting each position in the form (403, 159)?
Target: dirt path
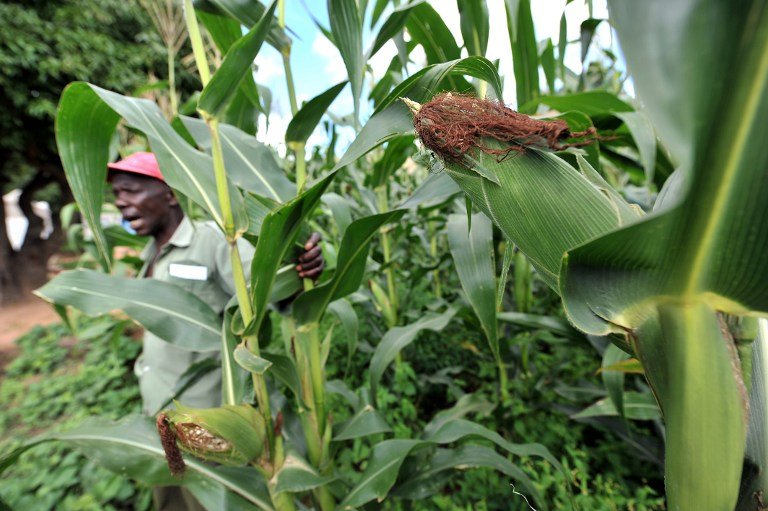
(19, 318)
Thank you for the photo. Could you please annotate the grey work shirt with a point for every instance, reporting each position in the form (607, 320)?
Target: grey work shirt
(197, 259)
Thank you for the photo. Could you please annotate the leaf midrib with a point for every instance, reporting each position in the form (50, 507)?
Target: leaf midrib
(716, 216)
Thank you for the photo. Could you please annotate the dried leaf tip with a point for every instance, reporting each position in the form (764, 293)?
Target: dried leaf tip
(412, 105)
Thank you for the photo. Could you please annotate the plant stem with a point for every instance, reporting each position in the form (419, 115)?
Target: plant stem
(220, 173)
(172, 82)
(222, 189)
(433, 253)
(383, 193)
(299, 148)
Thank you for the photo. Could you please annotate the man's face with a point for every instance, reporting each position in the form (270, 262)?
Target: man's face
(143, 201)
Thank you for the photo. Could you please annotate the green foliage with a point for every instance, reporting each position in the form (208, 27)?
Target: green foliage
(57, 381)
(41, 51)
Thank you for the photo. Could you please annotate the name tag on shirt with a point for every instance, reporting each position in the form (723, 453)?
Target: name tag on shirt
(188, 271)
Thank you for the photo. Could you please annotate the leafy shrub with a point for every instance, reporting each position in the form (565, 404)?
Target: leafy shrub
(57, 381)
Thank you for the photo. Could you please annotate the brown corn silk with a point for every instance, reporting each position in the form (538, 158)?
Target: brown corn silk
(168, 440)
(453, 125)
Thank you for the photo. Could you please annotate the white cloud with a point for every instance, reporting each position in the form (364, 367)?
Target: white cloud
(380, 62)
(449, 12)
(274, 135)
(268, 67)
(334, 69)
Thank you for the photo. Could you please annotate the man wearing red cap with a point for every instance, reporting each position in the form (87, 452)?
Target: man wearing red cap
(192, 255)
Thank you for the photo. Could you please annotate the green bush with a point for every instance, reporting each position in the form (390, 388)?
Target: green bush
(57, 381)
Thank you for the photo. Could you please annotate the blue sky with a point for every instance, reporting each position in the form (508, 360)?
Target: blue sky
(317, 64)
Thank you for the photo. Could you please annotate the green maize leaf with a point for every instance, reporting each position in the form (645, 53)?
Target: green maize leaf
(350, 267)
(562, 42)
(398, 338)
(428, 29)
(249, 361)
(436, 189)
(523, 283)
(85, 164)
(426, 479)
(235, 433)
(392, 26)
(548, 65)
(297, 475)
(366, 422)
(473, 15)
(690, 367)
(645, 139)
(628, 366)
(552, 324)
(382, 127)
(248, 13)
(173, 314)
(704, 249)
(460, 429)
(755, 475)
(283, 369)
(391, 76)
(614, 380)
(472, 251)
(279, 231)
(250, 164)
(378, 10)
(184, 168)
(549, 195)
(131, 447)
(245, 105)
(225, 82)
(304, 122)
(219, 498)
(578, 121)
(340, 209)
(388, 456)
(346, 314)
(232, 379)
(635, 406)
(588, 28)
(716, 234)
(382, 302)
(381, 472)
(347, 30)
(501, 285)
(340, 388)
(525, 58)
(427, 82)
(191, 376)
(595, 104)
(397, 152)
(257, 208)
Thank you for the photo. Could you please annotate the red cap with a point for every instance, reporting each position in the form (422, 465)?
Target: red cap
(139, 163)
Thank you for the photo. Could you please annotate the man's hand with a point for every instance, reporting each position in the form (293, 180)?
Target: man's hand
(311, 263)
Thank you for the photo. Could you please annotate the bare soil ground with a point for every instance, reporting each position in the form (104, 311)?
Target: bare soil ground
(17, 319)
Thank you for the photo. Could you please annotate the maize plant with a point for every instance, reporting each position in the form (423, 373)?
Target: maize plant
(273, 439)
(662, 285)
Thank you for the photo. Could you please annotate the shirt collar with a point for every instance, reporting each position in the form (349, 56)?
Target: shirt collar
(182, 237)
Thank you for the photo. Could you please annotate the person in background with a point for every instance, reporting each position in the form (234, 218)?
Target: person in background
(194, 256)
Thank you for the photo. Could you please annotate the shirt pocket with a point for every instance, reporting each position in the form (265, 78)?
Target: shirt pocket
(195, 278)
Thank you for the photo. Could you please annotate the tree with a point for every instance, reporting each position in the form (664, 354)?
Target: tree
(44, 46)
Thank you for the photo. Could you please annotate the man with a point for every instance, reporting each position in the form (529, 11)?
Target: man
(191, 255)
